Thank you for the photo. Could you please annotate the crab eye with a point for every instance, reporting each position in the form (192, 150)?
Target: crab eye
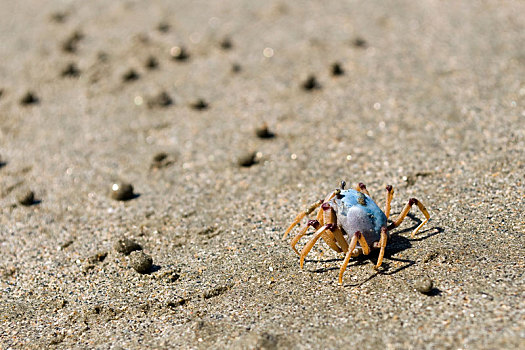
(343, 184)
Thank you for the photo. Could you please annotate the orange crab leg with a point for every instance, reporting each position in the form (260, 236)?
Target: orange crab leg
(306, 249)
(404, 213)
(363, 243)
(361, 187)
(338, 234)
(351, 247)
(334, 234)
(328, 237)
(314, 223)
(382, 245)
(389, 196)
(310, 209)
(301, 216)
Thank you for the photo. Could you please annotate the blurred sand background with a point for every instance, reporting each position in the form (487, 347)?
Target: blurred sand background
(431, 101)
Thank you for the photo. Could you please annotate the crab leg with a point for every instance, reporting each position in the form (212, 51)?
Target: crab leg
(306, 249)
(320, 216)
(361, 187)
(363, 243)
(338, 235)
(334, 234)
(353, 243)
(328, 237)
(389, 196)
(300, 216)
(332, 195)
(323, 219)
(314, 223)
(404, 213)
(382, 245)
(310, 209)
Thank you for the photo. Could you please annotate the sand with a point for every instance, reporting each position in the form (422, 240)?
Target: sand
(168, 97)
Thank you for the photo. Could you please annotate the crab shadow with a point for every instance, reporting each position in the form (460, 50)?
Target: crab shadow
(396, 244)
(434, 292)
(131, 197)
(154, 268)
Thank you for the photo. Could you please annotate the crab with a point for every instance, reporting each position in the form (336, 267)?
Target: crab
(350, 222)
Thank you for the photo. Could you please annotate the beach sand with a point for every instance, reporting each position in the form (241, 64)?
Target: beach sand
(173, 97)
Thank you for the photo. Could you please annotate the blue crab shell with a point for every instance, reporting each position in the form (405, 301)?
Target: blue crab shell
(356, 211)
